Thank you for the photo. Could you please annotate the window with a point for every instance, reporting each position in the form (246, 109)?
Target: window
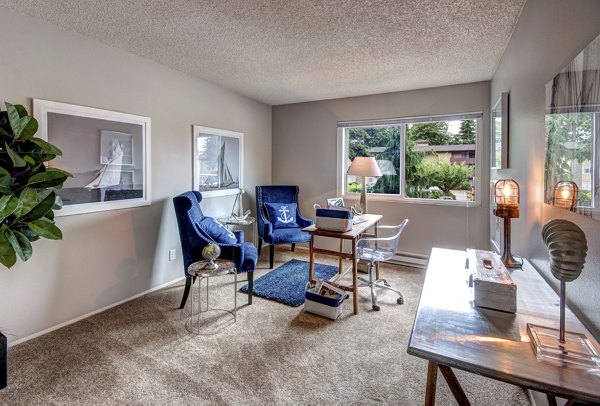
(424, 158)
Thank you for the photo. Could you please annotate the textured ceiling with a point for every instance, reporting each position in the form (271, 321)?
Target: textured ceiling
(286, 51)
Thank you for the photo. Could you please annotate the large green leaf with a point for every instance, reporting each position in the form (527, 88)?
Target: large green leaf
(19, 242)
(46, 200)
(46, 229)
(21, 110)
(16, 159)
(8, 206)
(23, 126)
(27, 201)
(46, 147)
(5, 184)
(51, 177)
(8, 257)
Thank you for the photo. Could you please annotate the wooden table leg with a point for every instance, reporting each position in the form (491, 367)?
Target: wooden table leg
(454, 385)
(341, 260)
(376, 263)
(311, 268)
(431, 383)
(354, 277)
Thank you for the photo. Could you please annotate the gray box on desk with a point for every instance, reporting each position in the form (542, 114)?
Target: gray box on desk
(493, 288)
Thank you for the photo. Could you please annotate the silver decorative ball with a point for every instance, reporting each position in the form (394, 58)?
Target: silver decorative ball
(210, 253)
(567, 247)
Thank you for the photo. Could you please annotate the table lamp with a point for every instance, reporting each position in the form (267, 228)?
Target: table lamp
(506, 197)
(565, 195)
(567, 247)
(364, 166)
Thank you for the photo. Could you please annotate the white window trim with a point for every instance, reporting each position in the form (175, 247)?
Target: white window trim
(342, 153)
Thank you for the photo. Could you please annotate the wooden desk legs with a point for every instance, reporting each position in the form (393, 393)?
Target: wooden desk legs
(354, 277)
(341, 260)
(453, 384)
(431, 383)
(311, 269)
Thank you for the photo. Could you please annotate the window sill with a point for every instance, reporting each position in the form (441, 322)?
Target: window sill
(403, 200)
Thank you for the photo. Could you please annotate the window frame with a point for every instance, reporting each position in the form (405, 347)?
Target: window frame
(343, 149)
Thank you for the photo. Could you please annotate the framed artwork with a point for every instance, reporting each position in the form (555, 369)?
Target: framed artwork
(218, 161)
(120, 178)
(499, 144)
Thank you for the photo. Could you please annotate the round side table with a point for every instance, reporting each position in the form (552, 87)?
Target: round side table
(206, 320)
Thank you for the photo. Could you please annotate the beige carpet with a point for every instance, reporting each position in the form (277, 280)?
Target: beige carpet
(140, 353)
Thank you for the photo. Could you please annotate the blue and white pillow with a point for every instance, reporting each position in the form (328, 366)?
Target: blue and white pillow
(217, 231)
(282, 215)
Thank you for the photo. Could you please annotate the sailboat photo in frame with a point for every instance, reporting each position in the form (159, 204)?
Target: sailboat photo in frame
(218, 161)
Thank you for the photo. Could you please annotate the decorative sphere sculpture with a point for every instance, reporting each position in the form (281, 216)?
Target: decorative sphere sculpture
(567, 247)
(210, 253)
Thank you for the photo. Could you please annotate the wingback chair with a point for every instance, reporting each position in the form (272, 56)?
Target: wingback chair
(279, 218)
(196, 231)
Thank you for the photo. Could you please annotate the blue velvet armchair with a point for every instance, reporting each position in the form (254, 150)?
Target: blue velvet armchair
(194, 238)
(269, 228)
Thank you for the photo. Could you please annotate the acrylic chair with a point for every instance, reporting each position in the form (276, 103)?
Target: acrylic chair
(194, 237)
(268, 228)
(377, 249)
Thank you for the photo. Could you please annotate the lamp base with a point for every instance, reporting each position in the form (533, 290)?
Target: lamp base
(509, 261)
(577, 350)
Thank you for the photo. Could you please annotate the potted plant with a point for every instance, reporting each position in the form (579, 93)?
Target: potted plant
(27, 193)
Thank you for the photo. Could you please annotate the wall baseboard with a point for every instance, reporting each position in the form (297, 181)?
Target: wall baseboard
(410, 259)
(85, 316)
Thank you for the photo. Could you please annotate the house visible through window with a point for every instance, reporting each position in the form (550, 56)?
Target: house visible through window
(419, 158)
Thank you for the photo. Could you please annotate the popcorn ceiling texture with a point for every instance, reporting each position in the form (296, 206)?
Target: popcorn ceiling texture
(282, 51)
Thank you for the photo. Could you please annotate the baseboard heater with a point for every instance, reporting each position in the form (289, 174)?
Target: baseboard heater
(410, 259)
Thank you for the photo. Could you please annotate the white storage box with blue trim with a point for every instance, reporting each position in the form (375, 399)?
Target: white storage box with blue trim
(324, 299)
(334, 219)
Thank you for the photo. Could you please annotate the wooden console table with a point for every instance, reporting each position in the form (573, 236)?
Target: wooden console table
(451, 332)
(353, 235)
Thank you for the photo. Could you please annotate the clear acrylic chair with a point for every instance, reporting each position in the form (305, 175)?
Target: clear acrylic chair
(377, 249)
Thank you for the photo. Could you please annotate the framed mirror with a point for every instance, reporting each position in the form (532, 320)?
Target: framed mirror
(499, 144)
(572, 174)
(218, 161)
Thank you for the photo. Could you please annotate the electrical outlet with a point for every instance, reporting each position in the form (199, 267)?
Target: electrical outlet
(172, 254)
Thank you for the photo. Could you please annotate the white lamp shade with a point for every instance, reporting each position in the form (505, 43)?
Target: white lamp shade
(364, 166)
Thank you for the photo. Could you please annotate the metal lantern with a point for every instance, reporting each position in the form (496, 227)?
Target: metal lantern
(565, 195)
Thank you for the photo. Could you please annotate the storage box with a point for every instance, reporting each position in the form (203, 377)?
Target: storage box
(330, 307)
(492, 285)
(334, 219)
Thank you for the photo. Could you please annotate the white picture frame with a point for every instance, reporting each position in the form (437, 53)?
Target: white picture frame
(218, 161)
(79, 132)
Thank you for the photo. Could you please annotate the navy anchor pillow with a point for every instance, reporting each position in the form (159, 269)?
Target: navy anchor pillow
(217, 231)
(282, 215)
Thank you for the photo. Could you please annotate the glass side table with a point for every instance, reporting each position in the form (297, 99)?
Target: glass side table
(232, 221)
(207, 321)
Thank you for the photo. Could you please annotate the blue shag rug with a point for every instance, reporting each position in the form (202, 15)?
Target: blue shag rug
(287, 283)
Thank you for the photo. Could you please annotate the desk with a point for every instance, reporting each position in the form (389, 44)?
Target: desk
(451, 332)
(353, 236)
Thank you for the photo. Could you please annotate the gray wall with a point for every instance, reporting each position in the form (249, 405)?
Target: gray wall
(109, 256)
(305, 151)
(548, 34)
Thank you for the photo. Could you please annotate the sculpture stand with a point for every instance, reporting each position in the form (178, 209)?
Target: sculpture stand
(561, 346)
